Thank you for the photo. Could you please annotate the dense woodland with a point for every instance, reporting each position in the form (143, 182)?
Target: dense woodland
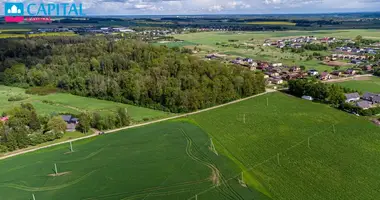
(125, 71)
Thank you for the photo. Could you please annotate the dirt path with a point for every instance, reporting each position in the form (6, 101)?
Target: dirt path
(357, 77)
(19, 152)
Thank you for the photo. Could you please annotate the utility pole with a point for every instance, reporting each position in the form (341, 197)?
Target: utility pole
(334, 128)
(34, 198)
(71, 147)
(278, 159)
(56, 170)
(267, 101)
(244, 118)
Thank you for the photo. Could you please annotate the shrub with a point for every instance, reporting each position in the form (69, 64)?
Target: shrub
(17, 98)
(3, 149)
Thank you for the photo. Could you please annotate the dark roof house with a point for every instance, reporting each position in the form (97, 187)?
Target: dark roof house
(376, 99)
(368, 96)
(364, 104)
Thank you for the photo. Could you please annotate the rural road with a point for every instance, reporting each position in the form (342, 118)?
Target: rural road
(12, 154)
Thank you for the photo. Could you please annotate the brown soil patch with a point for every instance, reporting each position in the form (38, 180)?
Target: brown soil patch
(59, 174)
(215, 177)
(336, 63)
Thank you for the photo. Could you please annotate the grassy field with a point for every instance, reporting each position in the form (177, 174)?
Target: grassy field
(167, 161)
(251, 44)
(67, 103)
(289, 149)
(5, 34)
(370, 85)
(174, 44)
(273, 23)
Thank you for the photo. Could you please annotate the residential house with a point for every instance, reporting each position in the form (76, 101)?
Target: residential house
(272, 74)
(352, 97)
(367, 68)
(368, 96)
(277, 64)
(295, 69)
(364, 104)
(376, 99)
(325, 76)
(313, 72)
(276, 81)
(350, 72)
(336, 73)
(71, 122)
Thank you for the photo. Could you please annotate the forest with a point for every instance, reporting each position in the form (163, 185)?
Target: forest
(123, 70)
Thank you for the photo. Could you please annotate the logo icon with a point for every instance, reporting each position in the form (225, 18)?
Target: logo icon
(14, 9)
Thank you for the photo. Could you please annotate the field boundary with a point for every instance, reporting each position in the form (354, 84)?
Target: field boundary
(5, 156)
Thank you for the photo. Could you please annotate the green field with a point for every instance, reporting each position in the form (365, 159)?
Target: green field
(371, 85)
(273, 23)
(287, 148)
(174, 44)
(67, 103)
(270, 143)
(164, 161)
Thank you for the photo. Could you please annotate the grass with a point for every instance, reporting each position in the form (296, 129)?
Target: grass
(334, 164)
(287, 148)
(68, 103)
(371, 85)
(273, 23)
(169, 160)
(174, 44)
(22, 35)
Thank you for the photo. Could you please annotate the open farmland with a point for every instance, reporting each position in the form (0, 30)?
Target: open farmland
(169, 160)
(370, 84)
(250, 45)
(291, 148)
(273, 23)
(68, 103)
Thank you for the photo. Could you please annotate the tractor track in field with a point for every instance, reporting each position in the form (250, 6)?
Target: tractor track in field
(20, 152)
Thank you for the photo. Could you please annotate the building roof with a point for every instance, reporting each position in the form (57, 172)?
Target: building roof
(352, 95)
(368, 95)
(66, 118)
(364, 104)
(376, 99)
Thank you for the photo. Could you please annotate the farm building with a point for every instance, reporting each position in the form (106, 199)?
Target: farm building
(352, 97)
(71, 122)
(313, 72)
(364, 104)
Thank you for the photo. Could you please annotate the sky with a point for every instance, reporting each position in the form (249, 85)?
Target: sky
(188, 7)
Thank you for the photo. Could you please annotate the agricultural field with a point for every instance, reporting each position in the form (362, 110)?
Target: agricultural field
(169, 160)
(290, 148)
(251, 45)
(68, 103)
(371, 84)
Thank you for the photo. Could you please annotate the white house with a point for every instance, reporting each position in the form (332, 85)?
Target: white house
(352, 97)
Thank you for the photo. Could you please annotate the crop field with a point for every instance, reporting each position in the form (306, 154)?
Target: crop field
(68, 103)
(368, 85)
(289, 148)
(22, 35)
(169, 160)
(273, 23)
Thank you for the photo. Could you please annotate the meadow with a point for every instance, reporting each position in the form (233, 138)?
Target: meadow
(68, 103)
(169, 160)
(273, 23)
(368, 85)
(289, 148)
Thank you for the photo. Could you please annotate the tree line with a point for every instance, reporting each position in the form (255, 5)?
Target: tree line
(328, 93)
(25, 128)
(127, 71)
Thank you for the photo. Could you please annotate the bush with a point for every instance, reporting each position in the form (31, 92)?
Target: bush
(17, 98)
(48, 102)
(3, 149)
(41, 90)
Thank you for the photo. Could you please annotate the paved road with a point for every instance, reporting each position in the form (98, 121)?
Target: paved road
(11, 154)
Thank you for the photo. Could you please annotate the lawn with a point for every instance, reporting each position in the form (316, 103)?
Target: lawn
(291, 148)
(169, 160)
(370, 85)
(68, 103)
